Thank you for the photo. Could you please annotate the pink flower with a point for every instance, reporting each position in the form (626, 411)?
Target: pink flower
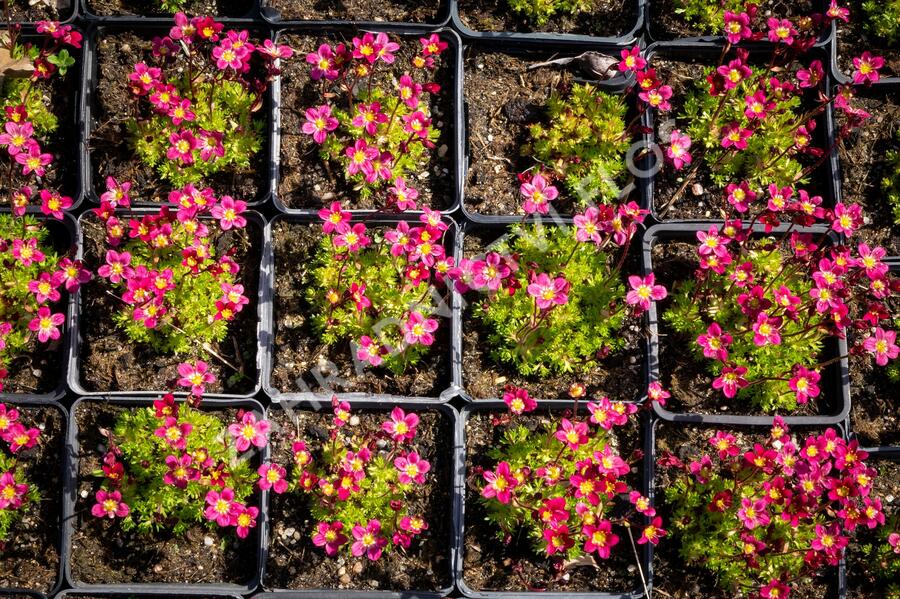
(432, 45)
(195, 376)
(352, 237)
(643, 290)
(180, 112)
(518, 400)
(227, 56)
(419, 330)
(182, 146)
(412, 469)
(734, 72)
(323, 63)
(109, 504)
(18, 437)
(737, 27)
(386, 48)
(546, 292)
(341, 411)
(402, 196)
(369, 117)
(655, 392)
(781, 31)
(270, 50)
(558, 538)
(249, 431)
(116, 193)
(753, 513)
(677, 151)
(409, 91)
(882, 345)
(180, 471)
(731, 380)
(17, 137)
(46, 324)
(631, 60)
(735, 136)
(7, 415)
(220, 507)
(829, 539)
(53, 204)
(490, 272)
(361, 155)
(847, 218)
(501, 483)
(766, 330)
(599, 538)
(46, 287)
(653, 532)
(329, 536)
(243, 518)
(537, 193)
(757, 105)
(715, 343)
(366, 48)
(866, 68)
(335, 218)
(725, 444)
(813, 76)
(271, 476)
(587, 226)
(117, 266)
(658, 98)
(370, 351)
(402, 426)
(174, 434)
(740, 196)
(775, 590)
(33, 161)
(228, 211)
(368, 540)
(804, 384)
(12, 494)
(573, 435)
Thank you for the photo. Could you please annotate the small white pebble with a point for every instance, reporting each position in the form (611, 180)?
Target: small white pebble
(208, 541)
(354, 420)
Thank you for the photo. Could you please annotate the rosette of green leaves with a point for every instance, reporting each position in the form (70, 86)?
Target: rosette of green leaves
(541, 11)
(882, 19)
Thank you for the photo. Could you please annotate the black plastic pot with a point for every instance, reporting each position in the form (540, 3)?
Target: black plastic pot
(267, 302)
(837, 73)
(148, 28)
(628, 38)
(61, 546)
(545, 406)
(70, 500)
(66, 17)
(535, 51)
(272, 15)
(65, 236)
(454, 121)
(707, 53)
(376, 404)
(250, 15)
(74, 594)
(835, 378)
(255, 220)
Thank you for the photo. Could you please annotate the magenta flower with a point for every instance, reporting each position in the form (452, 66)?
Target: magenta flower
(409, 91)
(19, 437)
(882, 345)
(270, 50)
(370, 351)
(501, 483)
(781, 31)
(361, 155)
(243, 518)
(352, 237)
(402, 196)
(653, 532)
(46, 287)
(109, 504)
(677, 151)
(33, 161)
(330, 536)
(490, 272)
(417, 124)
(368, 540)
(12, 494)
(174, 434)
(558, 538)
(518, 400)
(46, 324)
(419, 330)
(181, 471)
(220, 507)
(16, 137)
(573, 435)
(587, 226)
(643, 290)
(369, 117)
(715, 343)
(412, 469)
(658, 97)
(740, 196)
(631, 60)
(248, 431)
(731, 380)
(341, 411)
(804, 384)
(53, 204)
(847, 218)
(7, 415)
(334, 217)
(402, 426)
(271, 476)
(537, 193)
(829, 539)
(116, 193)
(735, 136)
(725, 444)
(757, 105)
(753, 513)
(599, 538)
(180, 112)
(366, 48)
(323, 63)
(734, 72)
(766, 330)
(182, 146)
(227, 56)
(775, 590)
(548, 292)
(813, 76)
(195, 376)
(866, 68)
(228, 211)
(737, 27)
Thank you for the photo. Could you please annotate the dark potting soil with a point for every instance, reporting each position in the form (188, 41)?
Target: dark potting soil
(703, 199)
(667, 24)
(102, 553)
(864, 165)
(308, 181)
(212, 8)
(609, 18)
(111, 362)
(874, 406)
(672, 576)
(110, 142)
(299, 356)
(620, 375)
(686, 378)
(295, 563)
(50, 10)
(31, 557)
(490, 564)
(393, 11)
(854, 38)
(863, 581)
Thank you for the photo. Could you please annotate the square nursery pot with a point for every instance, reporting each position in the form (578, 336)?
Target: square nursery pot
(432, 556)
(35, 566)
(75, 594)
(115, 48)
(503, 95)
(835, 383)
(851, 40)
(48, 375)
(361, 14)
(830, 582)
(622, 375)
(498, 21)
(303, 371)
(657, 187)
(297, 175)
(634, 589)
(99, 338)
(24, 13)
(84, 545)
(149, 11)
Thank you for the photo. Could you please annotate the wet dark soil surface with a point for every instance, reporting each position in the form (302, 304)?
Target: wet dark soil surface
(609, 18)
(212, 8)
(393, 11)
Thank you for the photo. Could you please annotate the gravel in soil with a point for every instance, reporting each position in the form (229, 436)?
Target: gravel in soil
(864, 164)
(674, 578)
(393, 11)
(687, 379)
(490, 564)
(853, 39)
(620, 376)
(31, 558)
(703, 199)
(153, 8)
(666, 24)
(609, 18)
(112, 362)
(102, 553)
(307, 181)
(862, 576)
(295, 563)
(874, 407)
(109, 142)
(301, 363)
